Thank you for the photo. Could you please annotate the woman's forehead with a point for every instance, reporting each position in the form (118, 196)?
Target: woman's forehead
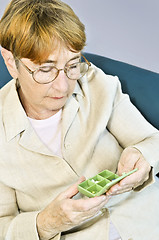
(63, 56)
(60, 55)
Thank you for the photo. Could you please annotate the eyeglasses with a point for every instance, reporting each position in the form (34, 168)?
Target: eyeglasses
(47, 74)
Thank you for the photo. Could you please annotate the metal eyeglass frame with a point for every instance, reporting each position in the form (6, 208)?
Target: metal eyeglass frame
(58, 70)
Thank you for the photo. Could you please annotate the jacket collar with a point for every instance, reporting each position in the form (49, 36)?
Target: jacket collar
(14, 116)
(16, 122)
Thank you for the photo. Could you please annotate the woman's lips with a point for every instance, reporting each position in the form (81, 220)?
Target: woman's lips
(56, 98)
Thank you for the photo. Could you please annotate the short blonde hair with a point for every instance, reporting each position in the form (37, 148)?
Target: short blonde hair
(30, 28)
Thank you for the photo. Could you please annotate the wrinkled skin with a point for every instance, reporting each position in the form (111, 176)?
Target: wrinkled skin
(64, 213)
(130, 159)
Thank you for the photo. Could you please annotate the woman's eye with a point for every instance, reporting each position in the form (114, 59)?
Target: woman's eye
(45, 69)
(74, 66)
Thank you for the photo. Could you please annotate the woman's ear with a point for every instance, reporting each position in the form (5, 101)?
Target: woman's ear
(10, 62)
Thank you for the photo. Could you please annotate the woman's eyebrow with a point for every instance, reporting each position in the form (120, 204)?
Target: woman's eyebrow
(74, 58)
(49, 61)
(52, 61)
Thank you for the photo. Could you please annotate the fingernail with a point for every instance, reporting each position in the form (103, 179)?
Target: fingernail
(103, 198)
(108, 193)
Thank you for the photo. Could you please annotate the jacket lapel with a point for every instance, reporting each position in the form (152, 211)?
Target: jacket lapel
(31, 141)
(69, 112)
(18, 126)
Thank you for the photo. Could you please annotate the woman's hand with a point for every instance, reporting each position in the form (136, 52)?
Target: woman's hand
(64, 213)
(130, 159)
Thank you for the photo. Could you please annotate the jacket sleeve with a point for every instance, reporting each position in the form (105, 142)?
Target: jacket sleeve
(130, 128)
(13, 224)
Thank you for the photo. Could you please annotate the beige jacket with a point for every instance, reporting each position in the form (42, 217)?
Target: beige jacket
(98, 122)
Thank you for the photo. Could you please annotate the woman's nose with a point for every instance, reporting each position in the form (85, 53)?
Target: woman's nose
(61, 82)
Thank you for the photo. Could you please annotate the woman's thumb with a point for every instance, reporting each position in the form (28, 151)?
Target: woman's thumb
(73, 189)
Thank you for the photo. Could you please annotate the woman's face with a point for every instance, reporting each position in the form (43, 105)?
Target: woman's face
(41, 101)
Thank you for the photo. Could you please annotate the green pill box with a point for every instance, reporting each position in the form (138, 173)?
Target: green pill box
(101, 182)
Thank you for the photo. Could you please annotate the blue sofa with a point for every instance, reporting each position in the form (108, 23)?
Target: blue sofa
(141, 85)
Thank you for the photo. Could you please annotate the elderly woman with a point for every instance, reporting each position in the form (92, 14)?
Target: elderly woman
(62, 119)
